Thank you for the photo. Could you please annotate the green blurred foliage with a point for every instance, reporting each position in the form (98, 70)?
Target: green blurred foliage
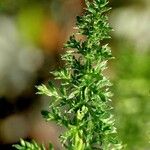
(132, 94)
(13, 6)
(30, 22)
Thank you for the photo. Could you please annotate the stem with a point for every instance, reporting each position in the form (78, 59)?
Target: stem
(79, 145)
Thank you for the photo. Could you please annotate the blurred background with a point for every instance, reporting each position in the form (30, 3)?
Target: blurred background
(32, 34)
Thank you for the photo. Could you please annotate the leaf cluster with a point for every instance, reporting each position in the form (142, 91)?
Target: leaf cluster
(81, 102)
(24, 145)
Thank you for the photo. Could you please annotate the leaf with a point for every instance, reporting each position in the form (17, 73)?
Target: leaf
(51, 147)
(82, 102)
(24, 145)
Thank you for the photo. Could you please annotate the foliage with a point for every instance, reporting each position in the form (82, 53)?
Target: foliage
(132, 97)
(30, 146)
(82, 102)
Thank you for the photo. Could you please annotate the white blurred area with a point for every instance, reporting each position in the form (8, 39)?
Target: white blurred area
(133, 23)
(19, 61)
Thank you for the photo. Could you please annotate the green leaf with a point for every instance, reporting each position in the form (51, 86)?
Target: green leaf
(24, 145)
(82, 102)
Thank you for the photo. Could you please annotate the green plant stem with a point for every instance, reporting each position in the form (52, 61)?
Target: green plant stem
(82, 102)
